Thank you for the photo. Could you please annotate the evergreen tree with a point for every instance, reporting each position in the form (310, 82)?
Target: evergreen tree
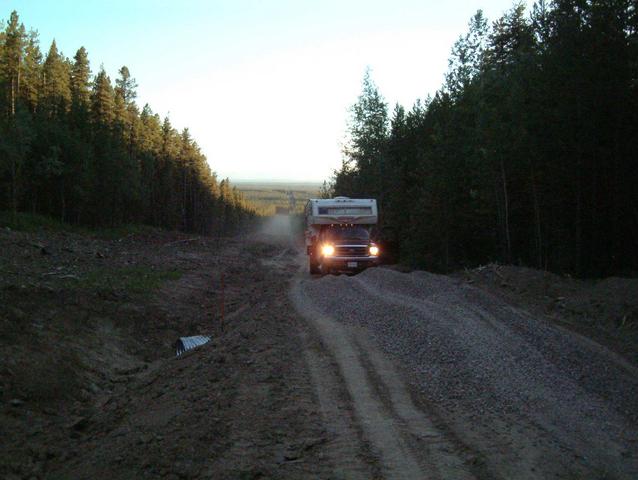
(14, 43)
(364, 155)
(56, 83)
(81, 80)
(467, 55)
(102, 100)
(31, 84)
(126, 86)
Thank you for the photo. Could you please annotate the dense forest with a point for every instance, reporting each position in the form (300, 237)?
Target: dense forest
(527, 154)
(75, 146)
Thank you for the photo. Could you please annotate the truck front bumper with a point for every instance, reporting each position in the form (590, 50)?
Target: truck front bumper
(349, 263)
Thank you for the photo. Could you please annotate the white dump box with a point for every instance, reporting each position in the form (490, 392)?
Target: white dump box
(329, 211)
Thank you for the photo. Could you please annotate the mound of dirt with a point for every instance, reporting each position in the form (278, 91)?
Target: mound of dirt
(606, 310)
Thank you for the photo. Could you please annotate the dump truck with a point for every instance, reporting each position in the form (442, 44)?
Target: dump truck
(337, 234)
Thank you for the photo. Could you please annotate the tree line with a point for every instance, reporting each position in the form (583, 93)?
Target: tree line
(527, 154)
(76, 146)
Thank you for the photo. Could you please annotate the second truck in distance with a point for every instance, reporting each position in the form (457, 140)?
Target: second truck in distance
(338, 234)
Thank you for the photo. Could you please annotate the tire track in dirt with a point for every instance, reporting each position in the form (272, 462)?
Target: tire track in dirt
(347, 450)
(406, 441)
(579, 436)
(379, 428)
(439, 454)
(529, 400)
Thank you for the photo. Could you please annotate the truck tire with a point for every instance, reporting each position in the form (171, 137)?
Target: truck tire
(314, 265)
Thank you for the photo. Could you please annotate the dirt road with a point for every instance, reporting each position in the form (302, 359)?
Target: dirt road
(379, 375)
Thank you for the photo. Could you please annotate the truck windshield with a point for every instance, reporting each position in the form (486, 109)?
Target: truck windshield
(341, 234)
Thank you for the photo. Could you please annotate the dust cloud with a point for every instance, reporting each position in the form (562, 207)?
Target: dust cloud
(282, 229)
(277, 226)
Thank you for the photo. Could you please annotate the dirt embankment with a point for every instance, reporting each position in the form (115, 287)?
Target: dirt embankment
(605, 310)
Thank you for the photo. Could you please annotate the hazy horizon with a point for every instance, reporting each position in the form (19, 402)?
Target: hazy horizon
(275, 181)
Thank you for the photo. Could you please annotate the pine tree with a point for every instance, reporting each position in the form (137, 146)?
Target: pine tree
(126, 86)
(81, 80)
(369, 125)
(56, 83)
(364, 155)
(124, 107)
(102, 100)
(467, 56)
(32, 77)
(14, 43)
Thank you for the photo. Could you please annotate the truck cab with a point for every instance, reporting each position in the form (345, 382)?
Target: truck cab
(338, 234)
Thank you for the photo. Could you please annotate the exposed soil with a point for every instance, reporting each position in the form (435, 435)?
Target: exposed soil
(380, 375)
(605, 310)
(91, 387)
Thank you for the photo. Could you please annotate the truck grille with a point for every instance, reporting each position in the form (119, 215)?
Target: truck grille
(351, 250)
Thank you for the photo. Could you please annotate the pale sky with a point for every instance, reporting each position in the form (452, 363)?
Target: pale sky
(263, 86)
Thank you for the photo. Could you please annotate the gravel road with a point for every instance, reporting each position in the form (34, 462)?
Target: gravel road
(505, 394)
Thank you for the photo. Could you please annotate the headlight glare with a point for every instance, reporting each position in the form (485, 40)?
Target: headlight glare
(327, 250)
(374, 250)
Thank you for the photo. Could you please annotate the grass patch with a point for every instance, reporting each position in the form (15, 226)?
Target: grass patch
(134, 279)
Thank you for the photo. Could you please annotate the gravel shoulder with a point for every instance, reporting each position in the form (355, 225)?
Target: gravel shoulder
(529, 398)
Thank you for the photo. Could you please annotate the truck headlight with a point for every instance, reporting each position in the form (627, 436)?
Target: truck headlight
(327, 250)
(374, 250)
